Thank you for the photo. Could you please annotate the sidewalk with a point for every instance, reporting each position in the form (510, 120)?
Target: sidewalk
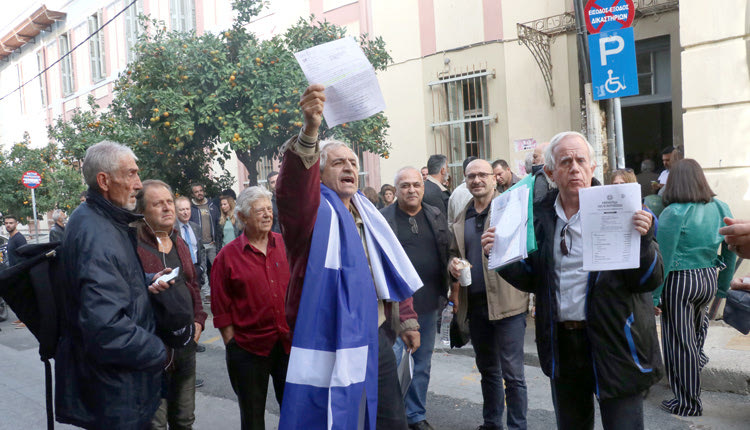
(728, 350)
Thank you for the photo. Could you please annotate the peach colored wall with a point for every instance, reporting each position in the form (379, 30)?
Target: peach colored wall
(493, 19)
(427, 27)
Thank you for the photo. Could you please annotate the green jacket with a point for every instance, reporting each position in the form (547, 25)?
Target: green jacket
(689, 238)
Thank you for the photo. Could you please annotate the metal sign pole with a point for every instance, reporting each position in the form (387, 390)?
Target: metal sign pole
(618, 134)
(36, 221)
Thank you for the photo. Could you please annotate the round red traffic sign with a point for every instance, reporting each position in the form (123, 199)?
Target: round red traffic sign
(607, 15)
(31, 179)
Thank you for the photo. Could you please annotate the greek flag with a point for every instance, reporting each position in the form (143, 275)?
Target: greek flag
(332, 379)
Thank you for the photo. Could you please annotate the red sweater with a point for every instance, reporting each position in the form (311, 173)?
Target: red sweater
(298, 198)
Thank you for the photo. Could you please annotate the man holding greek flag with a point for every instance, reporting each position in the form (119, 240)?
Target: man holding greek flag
(347, 269)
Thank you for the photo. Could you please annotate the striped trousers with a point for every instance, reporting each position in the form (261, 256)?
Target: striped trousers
(684, 324)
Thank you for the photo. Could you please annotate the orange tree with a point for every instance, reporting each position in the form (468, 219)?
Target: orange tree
(188, 100)
(60, 187)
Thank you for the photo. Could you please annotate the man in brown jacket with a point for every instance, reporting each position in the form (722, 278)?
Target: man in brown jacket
(496, 312)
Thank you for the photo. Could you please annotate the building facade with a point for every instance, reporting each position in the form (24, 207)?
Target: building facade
(489, 78)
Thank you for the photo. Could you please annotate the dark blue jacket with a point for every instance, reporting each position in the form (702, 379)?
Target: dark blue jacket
(108, 365)
(620, 316)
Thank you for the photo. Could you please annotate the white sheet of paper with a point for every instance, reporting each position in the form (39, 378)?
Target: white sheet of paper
(610, 241)
(352, 90)
(509, 215)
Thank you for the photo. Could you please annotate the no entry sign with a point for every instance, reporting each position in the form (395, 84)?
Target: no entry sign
(607, 15)
(31, 179)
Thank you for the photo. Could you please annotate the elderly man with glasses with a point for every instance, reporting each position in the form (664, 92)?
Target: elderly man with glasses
(595, 331)
(494, 311)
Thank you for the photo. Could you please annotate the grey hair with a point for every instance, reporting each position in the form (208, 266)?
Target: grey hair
(549, 159)
(529, 162)
(103, 157)
(402, 170)
(56, 214)
(647, 165)
(328, 145)
(248, 196)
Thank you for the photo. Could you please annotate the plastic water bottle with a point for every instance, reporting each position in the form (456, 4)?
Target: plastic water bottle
(445, 325)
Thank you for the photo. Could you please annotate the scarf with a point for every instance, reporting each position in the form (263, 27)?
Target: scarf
(332, 378)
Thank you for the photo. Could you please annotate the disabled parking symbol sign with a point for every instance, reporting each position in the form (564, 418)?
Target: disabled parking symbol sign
(613, 67)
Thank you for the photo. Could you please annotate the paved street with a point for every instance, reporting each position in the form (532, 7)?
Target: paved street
(454, 397)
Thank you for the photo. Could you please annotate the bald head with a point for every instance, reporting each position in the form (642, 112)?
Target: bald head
(480, 179)
(409, 190)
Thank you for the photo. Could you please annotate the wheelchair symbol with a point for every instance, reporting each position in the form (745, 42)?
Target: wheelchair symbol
(613, 84)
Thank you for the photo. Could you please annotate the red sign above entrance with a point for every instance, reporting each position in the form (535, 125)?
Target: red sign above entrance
(607, 15)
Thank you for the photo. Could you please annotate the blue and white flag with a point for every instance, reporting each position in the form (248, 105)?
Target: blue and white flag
(332, 378)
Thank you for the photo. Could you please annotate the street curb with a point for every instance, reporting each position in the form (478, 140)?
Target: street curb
(713, 377)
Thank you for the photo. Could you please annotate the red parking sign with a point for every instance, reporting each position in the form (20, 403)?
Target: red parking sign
(31, 179)
(608, 15)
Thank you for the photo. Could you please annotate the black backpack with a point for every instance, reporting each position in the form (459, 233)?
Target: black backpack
(30, 289)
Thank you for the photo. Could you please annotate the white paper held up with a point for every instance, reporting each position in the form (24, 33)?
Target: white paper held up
(509, 214)
(352, 89)
(610, 241)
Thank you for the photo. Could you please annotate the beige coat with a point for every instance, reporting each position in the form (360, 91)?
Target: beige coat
(503, 300)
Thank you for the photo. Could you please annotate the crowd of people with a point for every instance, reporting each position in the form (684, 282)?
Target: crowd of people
(324, 290)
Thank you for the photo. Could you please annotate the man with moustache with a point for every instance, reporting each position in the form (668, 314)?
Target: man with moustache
(338, 294)
(109, 362)
(422, 230)
(496, 312)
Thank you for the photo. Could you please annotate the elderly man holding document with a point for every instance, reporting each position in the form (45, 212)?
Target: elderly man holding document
(595, 331)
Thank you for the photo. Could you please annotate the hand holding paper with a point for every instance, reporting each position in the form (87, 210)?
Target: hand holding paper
(352, 90)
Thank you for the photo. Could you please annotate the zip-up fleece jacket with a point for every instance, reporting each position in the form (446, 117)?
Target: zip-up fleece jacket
(620, 315)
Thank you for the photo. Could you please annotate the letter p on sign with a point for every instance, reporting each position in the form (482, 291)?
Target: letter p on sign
(604, 51)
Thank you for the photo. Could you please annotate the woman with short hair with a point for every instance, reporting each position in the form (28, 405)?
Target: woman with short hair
(689, 240)
(248, 286)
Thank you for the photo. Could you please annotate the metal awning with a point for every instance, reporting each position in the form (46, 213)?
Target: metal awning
(29, 28)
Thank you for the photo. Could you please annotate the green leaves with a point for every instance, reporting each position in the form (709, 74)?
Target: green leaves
(190, 100)
(61, 181)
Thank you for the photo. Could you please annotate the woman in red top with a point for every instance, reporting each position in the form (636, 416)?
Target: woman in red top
(248, 285)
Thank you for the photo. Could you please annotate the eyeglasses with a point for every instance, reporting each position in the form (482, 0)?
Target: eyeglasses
(413, 224)
(563, 245)
(481, 175)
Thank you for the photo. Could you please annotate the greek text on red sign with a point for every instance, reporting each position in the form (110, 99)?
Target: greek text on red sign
(620, 13)
(31, 179)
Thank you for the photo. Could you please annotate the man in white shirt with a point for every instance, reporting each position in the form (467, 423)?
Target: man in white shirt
(190, 232)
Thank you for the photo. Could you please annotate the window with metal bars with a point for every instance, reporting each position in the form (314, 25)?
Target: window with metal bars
(96, 48)
(462, 119)
(66, 66)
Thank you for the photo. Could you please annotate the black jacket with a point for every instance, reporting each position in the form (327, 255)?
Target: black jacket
(620, 315)
(108, 365)
(439, 226)
(436, 197)
(56, 233)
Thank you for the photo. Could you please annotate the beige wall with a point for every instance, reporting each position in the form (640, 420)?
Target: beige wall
(404, 91)
(399, 30)
(716, 95)
(660, 25)
(458, 23)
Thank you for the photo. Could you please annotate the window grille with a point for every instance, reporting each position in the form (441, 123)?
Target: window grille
(96, 48)
(460, 109)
